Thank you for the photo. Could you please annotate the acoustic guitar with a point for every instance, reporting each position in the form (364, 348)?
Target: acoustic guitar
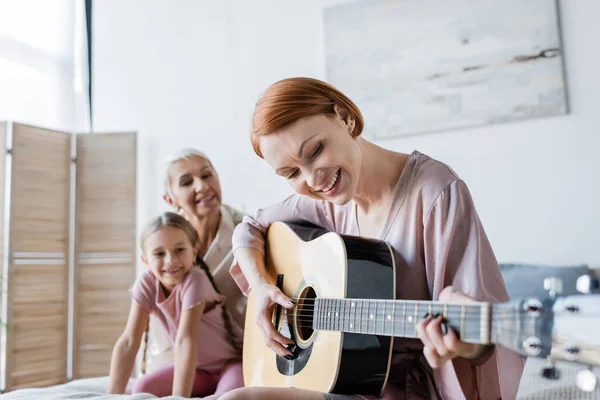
(347, 316)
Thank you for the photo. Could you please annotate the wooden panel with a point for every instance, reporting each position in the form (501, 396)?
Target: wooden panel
(3, 131)
(105, 247)
(38, 268)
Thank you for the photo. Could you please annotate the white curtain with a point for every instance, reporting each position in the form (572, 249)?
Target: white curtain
(43, 63)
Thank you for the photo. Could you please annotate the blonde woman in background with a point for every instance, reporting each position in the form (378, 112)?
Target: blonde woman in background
(193, 189)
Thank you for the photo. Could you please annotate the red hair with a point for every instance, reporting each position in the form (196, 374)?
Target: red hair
(289, 100)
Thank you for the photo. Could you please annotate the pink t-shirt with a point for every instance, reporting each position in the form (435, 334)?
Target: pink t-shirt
(438, 240)
(213, 348)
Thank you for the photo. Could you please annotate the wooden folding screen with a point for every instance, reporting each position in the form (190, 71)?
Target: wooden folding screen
(44, 221)
(105, 247)
(38, 258)
(2, 281)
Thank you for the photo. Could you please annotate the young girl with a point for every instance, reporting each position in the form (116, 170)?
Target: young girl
(180, 291)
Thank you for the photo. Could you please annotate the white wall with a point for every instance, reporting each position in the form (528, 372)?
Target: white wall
(187, 73)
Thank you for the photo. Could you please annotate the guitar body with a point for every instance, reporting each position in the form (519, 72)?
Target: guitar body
(310, 262)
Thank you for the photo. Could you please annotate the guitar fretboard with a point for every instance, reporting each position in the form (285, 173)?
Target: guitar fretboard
(399, 318)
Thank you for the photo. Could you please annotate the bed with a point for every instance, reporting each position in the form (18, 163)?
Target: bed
(520, 280)
(533, 387)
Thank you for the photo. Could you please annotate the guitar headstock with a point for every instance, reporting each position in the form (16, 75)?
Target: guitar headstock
(557, 328)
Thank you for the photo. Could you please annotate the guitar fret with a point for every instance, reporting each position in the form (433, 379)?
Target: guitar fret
(359, 303)
(337, 315)
(328, 315)
(320, 317)
(334, 315)
(462, 321)
(473, 319)
(367, 316)
(416, 318)
(351, 316)
(404, 319)
(383, 320)
(329, 323)
(315, 324)
(376, 318)
(347, 315)
(393, 316)
(354, 319)
(372, 316)
(344, 321)
(324, 315)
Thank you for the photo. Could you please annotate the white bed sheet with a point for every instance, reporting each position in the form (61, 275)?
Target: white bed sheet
(533, 387)
(87, 389)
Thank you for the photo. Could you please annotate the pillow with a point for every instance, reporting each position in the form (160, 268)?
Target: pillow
(524, 280)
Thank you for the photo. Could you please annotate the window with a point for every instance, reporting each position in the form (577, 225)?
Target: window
(43, 63)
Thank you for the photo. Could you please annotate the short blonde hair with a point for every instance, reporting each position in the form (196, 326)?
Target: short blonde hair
(182, 154)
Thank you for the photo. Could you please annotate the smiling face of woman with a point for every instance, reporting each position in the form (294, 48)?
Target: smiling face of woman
(317, 156)
(194, 186)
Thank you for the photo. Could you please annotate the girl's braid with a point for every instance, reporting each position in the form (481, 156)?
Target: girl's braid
(146, 334)
(226, 319)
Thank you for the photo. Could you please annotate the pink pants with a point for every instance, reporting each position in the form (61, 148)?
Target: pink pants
(160, 382)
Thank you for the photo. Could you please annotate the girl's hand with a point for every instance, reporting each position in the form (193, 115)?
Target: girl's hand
(267, 296)
(439, 348)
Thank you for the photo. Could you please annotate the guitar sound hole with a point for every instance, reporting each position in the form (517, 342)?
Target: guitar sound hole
(304, 316)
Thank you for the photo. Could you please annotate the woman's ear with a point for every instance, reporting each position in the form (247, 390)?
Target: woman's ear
(345, 116)
(169, 200)
(144, 260)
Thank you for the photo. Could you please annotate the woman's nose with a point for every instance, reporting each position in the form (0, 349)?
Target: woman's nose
(314, 178)
(199, 185)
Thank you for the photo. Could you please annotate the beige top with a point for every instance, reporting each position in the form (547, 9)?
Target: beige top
(219, 258)
(438, 240)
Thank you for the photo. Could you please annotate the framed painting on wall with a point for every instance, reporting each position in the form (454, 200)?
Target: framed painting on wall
(421, 66)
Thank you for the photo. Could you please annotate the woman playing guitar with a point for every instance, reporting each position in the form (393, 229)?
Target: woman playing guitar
(310, 135)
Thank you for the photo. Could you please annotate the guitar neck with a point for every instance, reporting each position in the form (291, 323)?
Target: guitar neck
(399, 318)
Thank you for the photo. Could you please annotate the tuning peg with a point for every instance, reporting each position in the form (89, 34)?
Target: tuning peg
(587, 380)
(550, 372)
(553, 285)
(587, 284)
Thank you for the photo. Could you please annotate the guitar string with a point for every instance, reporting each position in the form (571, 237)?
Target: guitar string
(362, 319)
(365, 304)
(409, 333)
(455, 307)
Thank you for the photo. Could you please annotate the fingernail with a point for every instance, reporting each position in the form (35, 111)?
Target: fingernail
(288, 357)
(292, 302)
(291, 347)
(426, 315)
(444, 328)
